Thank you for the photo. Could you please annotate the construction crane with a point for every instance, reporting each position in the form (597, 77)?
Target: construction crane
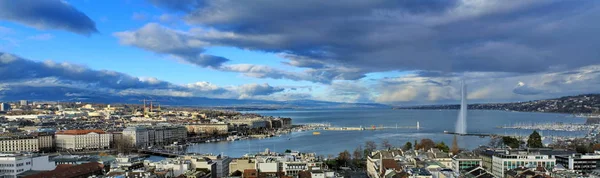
(145, 100)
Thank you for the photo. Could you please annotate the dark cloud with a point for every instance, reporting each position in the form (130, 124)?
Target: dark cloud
(376, 35)
(523, 89)
(159, 39)
(14, 68)
(177, 5)
(22, 77)
(257, 90)
(47, 14)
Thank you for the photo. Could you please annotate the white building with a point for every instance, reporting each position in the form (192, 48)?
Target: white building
(13, 164)
(175, 167)
(26, 143)
(82, 140)
(137, 136)
(502, 162)
(4, 107)
(23, 102)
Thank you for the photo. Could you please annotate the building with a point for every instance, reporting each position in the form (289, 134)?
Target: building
(241, 164)
(249, 123)
(222, 167)
(72, 171)
(208, 128)
(4, 107)
(465, 160)
(578, 162)
(502, 162)
(172, 167)
(27, 143)
(165, 135)
(154, 136)
(23, 102)
(12, 165)
(82, 140)
(136, 136)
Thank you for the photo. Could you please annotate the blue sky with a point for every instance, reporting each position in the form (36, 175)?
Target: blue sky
(363, 51)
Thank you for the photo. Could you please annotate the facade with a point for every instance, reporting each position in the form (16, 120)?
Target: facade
(23, 103)
(502, 162)
(578, 162)
(208, 128)
(241, 165)
(82, 140)
(250, 123)
(222, 167)
(465, 160)
(4, 107)
(136, 136)
(26, 143)
(154, 136)
(13, 164)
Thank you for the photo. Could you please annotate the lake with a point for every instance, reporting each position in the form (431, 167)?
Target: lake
(432, 122)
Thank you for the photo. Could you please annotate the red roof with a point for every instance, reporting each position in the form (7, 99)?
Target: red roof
(79, 132)
(82, 170)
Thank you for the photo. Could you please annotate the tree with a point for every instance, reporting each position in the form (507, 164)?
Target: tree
(596, 147)
(407, 146)
(583, 149)
(455, 149)
(343, 157)
(535, 140)
(370, 146)
(288, 151)
(358, 153)
(386, 144)
(426, 144)
(495, 142)
(511, 142)
(442, 146)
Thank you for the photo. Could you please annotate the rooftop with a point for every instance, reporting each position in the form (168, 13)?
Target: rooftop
(79, 132)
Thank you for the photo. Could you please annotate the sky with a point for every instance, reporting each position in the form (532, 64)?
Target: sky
(358, 51)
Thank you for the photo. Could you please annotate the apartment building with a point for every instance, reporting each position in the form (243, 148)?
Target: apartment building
(26, 143)
(82, 140)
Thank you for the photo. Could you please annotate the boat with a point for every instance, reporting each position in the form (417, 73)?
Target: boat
(316, 133)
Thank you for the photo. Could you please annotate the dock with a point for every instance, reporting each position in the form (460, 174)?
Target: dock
(373, 127)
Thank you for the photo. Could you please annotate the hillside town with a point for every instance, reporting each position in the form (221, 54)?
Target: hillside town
(580, 104)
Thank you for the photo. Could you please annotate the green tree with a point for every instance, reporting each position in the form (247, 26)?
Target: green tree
(407, 146)
(535, 140)
(442, 146)
(511, 142)
(344, 157)
(288, 151)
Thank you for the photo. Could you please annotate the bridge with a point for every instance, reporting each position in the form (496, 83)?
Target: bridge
(158, 153)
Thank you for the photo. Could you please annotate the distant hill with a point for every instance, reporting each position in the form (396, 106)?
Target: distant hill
(73, 95)
(588, 103)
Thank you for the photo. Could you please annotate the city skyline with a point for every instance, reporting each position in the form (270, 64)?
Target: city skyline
(361, 51)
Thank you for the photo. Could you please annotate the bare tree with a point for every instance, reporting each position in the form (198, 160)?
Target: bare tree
(386, 144)
(345, 155)
(358, 153)
(426, 144)
(370, 146)
(123, 145)
(455, 149)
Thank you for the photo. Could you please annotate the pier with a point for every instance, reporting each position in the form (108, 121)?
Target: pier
(373, 127)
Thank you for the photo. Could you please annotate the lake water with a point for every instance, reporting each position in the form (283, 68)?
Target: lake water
(433, 123)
